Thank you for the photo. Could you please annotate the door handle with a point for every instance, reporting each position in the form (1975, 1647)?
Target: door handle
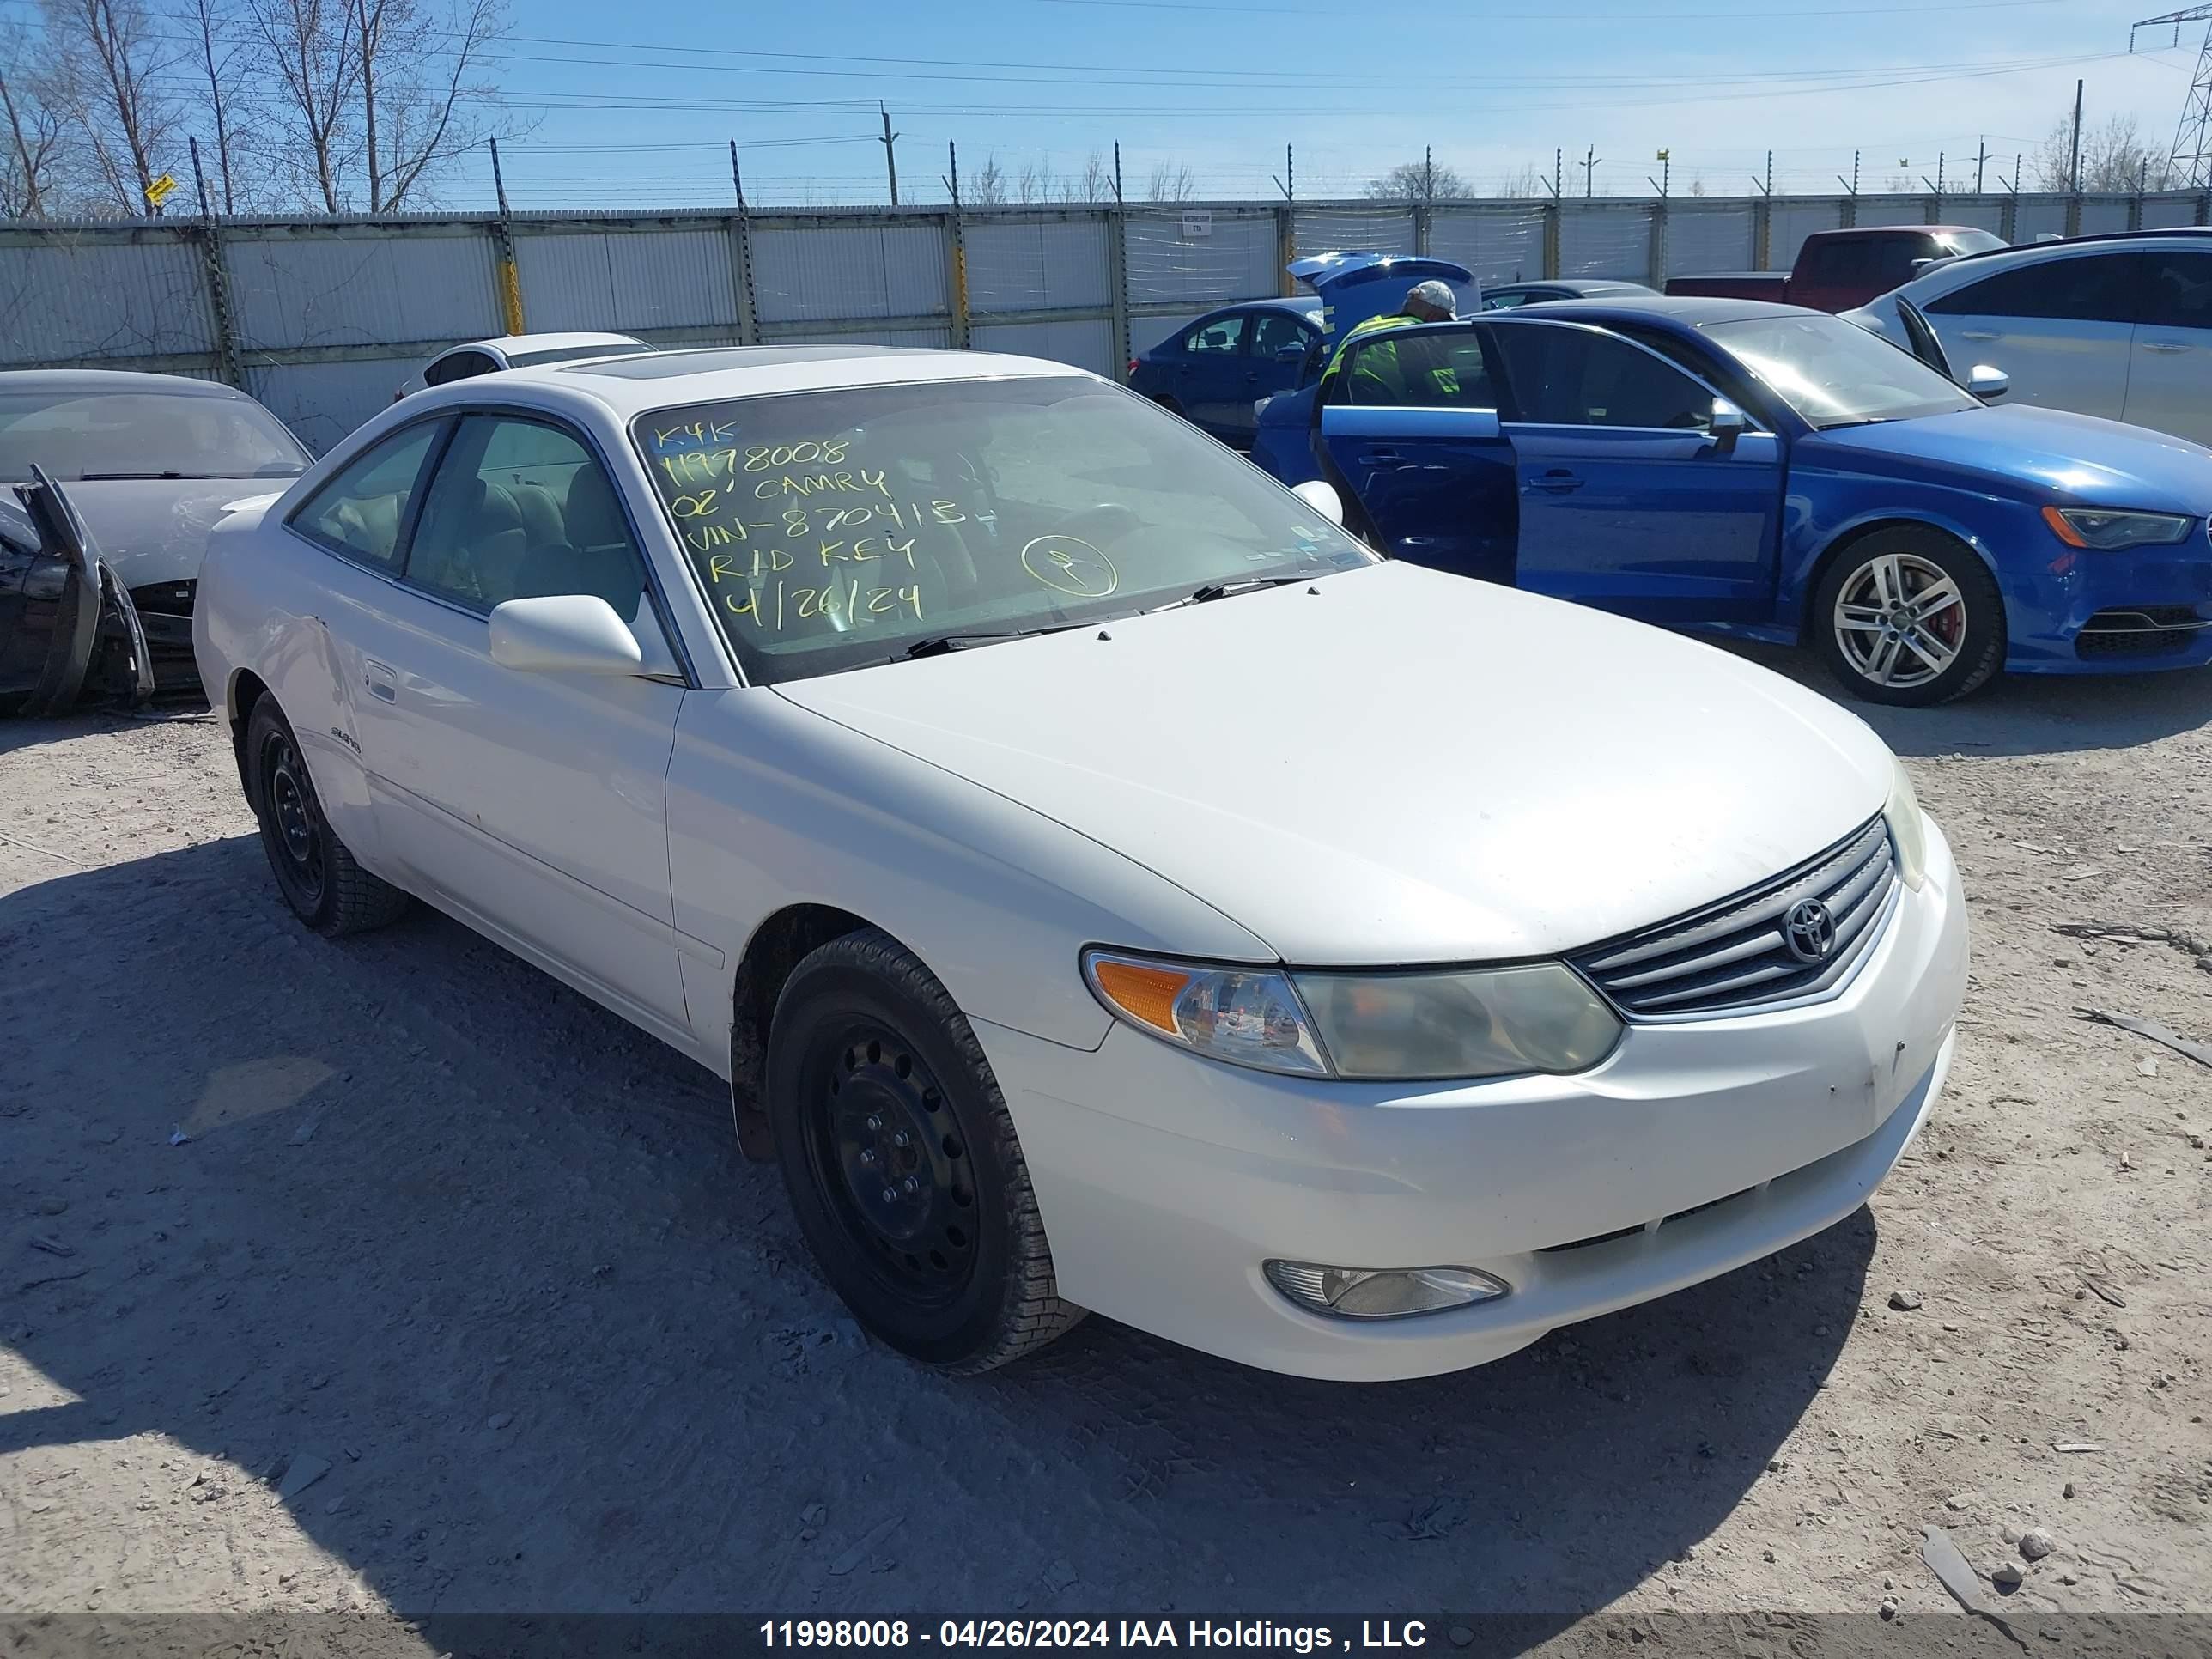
(381, 682)
(1555, 483)
(1978, 334)
(2164, 345)
(1381, 458)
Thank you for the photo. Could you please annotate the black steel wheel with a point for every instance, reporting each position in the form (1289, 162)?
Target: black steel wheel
(902, 1162)
(319, 877)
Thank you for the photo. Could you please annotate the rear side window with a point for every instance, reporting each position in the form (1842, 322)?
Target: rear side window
(359, 513)
(1578, 377)
(2178, 291)
(457, 365)
(1446, 370)
(2087, 287)
(1216, 338)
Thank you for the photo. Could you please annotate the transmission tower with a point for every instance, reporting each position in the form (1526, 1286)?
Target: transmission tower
(2192, 138)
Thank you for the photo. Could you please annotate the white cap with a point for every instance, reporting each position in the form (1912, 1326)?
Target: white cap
(1438, 295)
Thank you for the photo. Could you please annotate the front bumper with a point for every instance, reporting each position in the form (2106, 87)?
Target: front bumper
(1164, 1181)
(2083, 611)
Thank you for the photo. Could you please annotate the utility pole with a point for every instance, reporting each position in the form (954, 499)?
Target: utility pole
(1117, 172)
(1981, 161)
(737, 180)
(2192, 136)
(2074, 172)
(890, 154)
(1589, 173)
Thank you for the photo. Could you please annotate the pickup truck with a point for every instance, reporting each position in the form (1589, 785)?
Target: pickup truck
(1842, 270)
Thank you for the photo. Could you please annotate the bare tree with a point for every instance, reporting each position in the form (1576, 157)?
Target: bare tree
(30, 165)
(2115, 157)
(219, 58)
(986, 185)
(1528, 181)
(310, 51)
(1097, 178)
(424, 102)
(1169, 182)
(128, 123)
(1415, 181)
(1033, 182)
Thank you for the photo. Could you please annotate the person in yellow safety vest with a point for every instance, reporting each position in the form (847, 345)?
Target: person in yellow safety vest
(1425, 302)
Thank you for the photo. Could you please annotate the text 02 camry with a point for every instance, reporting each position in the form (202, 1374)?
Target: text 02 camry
(1105, 885)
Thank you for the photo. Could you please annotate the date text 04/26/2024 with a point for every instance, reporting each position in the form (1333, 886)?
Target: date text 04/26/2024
(958, 1635)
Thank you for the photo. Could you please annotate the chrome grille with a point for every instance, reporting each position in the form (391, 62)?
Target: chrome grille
(1737, 955)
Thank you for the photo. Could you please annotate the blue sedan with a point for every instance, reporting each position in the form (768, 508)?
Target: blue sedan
(1769, 473)
(1214, 371)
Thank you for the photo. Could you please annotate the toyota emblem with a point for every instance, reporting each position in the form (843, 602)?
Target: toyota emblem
(1809, 930)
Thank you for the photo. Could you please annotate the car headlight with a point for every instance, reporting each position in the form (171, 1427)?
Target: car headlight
(1908, 829)
(1461, 1024)
(2100, 528)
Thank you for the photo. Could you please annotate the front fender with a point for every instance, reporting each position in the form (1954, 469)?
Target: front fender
(1826, 509)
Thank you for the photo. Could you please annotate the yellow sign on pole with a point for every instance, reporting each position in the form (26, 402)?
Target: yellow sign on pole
(158, 192)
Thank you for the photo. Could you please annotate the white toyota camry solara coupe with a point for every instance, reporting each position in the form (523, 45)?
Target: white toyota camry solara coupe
(1105, 884)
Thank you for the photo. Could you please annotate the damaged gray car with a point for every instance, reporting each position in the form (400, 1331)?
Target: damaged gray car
(149, 463)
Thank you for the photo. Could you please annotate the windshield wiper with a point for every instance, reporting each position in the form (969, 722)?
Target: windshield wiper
(1228, 589)
(101, 478)
(938, 644)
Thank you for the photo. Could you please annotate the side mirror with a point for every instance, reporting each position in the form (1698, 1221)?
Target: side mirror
(563, 634)
(1987, 383)
(1727, 423)
(1321, 497)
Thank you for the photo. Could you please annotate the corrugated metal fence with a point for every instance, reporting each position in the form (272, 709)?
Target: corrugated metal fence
(322, 318)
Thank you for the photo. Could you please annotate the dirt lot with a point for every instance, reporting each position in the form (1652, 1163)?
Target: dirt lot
(458, 1299)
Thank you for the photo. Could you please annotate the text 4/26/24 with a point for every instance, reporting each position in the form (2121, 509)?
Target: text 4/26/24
(983, 1635)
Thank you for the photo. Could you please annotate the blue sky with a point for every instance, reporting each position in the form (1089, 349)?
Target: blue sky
(1221, 87)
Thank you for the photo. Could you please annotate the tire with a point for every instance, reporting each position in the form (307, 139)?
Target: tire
(318, 875)
(1875, 625)
(874, 1075)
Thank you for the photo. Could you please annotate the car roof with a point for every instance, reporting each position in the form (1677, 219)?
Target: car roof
(1695, 310)
(630, 386)
(511, 342)
(1583, 287)
(2026, 250)
(92, 382)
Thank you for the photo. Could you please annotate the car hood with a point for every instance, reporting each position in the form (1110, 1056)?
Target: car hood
(2060, 456)
(155, 530)
(1395, 765)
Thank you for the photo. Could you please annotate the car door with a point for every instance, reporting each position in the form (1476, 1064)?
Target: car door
(1266, 369)
(318, 609)
(2063, 326)
(2170, 380)
(532, 804)
(1627, 500)
(1210, 384)
(1411, 429)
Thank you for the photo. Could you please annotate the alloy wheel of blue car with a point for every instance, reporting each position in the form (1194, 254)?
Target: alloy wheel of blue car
(1909, 616)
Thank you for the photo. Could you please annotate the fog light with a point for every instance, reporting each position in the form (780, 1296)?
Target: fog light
(1380, 1292)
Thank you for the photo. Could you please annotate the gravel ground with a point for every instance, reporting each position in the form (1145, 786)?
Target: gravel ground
(457, 1298)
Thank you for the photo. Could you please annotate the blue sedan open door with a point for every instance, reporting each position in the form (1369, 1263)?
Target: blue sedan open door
(1630, 498)
(1409, 422)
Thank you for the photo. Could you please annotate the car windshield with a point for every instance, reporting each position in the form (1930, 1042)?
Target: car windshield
(575, 353)
(1835, 372)
(1972, 241)
(75, 434)
(834, 528)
